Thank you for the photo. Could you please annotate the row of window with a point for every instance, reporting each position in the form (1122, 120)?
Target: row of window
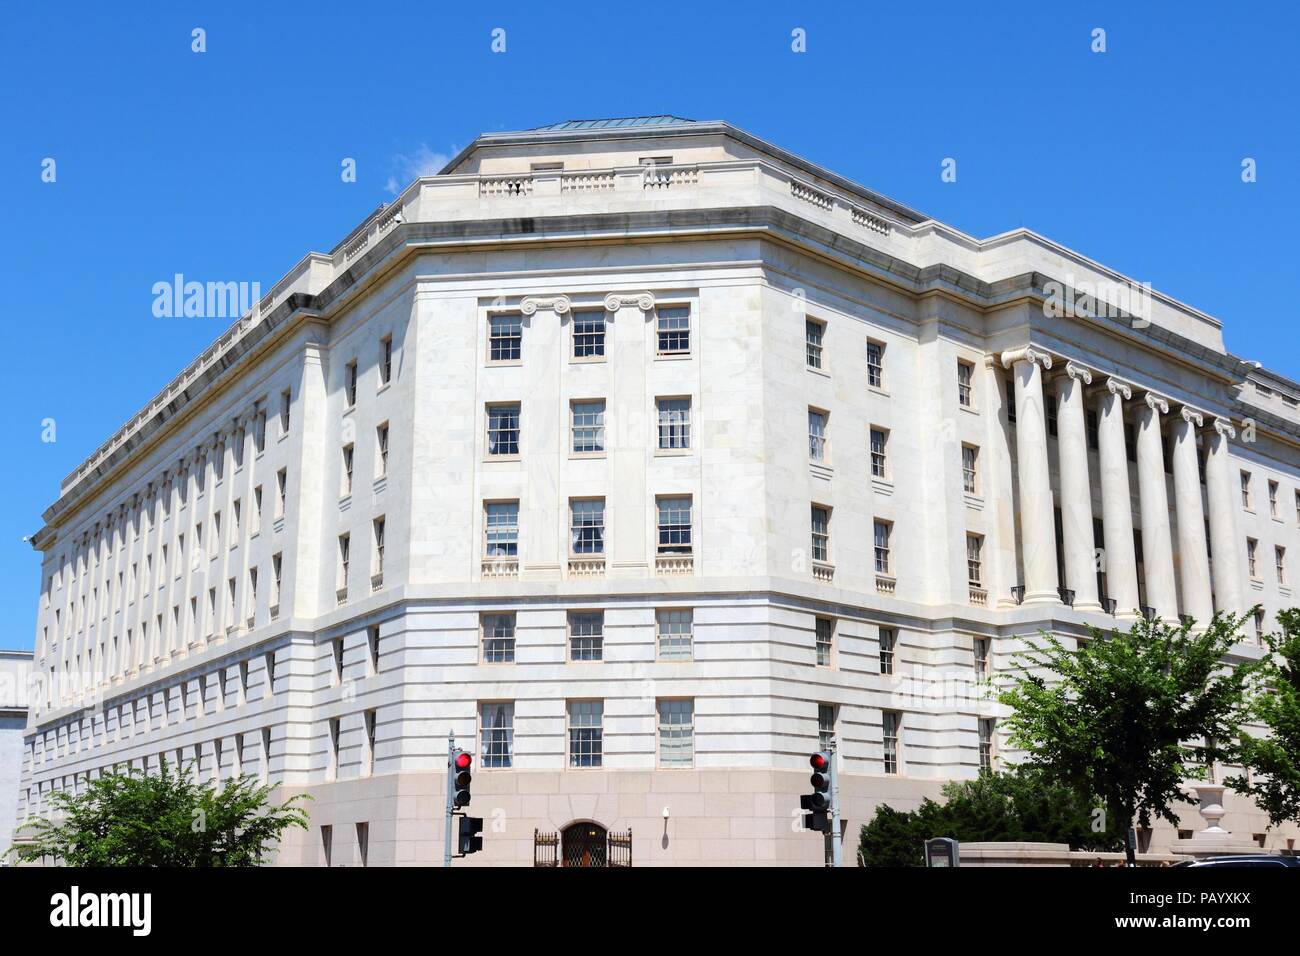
(587, 426)
(588, 337)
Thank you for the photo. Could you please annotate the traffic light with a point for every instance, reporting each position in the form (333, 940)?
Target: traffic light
(461, 777)
(818, 803)
(471, 835)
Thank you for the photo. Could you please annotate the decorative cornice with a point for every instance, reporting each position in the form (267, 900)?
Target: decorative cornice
(1156, 403)
(1191, 416)
(645, 301)
(1224, 428)
(559, 304)
(1026, 354)
(1078, 372)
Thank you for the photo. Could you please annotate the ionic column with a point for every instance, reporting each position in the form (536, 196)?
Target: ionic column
(1193, 564)
(1116, 499)
(1157, 543)
(1225, 543)
(1037, 524)
(1076, 490)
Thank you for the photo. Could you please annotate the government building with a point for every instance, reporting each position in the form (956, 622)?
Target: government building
(646, 457)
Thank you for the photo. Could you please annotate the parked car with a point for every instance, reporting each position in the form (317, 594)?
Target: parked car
(1250, 859)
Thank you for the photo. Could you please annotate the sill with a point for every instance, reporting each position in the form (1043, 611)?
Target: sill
(491, 458)
(349, 409)
(823, 571)
(588, 360)
(278, 525)
(969, 409)
(817, 371)
(499, 568)
(384, 386)
(377, 581)
(341, 594)
(819, 469)
(974, 501)
(673, 452)
(886, 583)
(877, 390)
(883, 485)
(675, 564)
(511, 363)
(673, 356)
(583, 567)
(578, 455)
(380, 483)
(282, 436)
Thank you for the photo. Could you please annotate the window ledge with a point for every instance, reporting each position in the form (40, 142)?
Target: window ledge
(823, 571)
(673, 452)
(886, 583)
(883, 485)
(674, 564)
(500, 568)
(974, 501)
(384, 387)
(673, 356)
(587, 567)
(817, 371)
(513, 363)
(488, 459)
(819, 469)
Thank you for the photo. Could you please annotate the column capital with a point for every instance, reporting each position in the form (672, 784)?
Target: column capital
(1076, 371)
(559, 304)
(645, 301)
(1117, 386)
(1026, 354)
(1224, 427)
(1156, 403)
(1191, 416)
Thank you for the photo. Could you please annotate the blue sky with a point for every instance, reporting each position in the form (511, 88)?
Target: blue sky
(225, 165)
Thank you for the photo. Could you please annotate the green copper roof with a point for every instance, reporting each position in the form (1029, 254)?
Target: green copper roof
(627, 121)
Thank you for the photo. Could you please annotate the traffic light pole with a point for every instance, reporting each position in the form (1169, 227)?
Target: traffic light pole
(837, 848)
(451, 788)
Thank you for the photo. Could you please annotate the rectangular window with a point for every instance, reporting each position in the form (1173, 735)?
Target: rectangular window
(981, 658)
(327, 844)
(586, 636)
(1259, 626)
(674, 628)
(498, 638)
(257, 510)
(882, 531)
(969, 456)
(348, 452)
(821, 533)
(363, 843)
(1272, 499)
(1011, 402)
(825, 629)
(674, 525)
(282, 492)
(505, 338)
(385, 360)
(888, 641)
(277, 576)
(503, 429)
(269, 659)
(345, 554)
(1297, 507)
(589, 334)
(676, 733)
(890, 723)
(1279, 559)
(586, 733)
(816, 435)
(1251, 546)
(986, 744)
(1093, 434)
(825, 725)
(496, 723)
(965, 376)
(974, 545)
(350, 384)
(381, 449)
(674, 423)
(587, 525)
(879, 443)
(337, 650)
(372, 640)
(285, 402)
(814, 334)
(379, 546)
(1245, 490)
(1050, 401)
(501, 529)
(588, 426)
(673, 330)
(875, 364)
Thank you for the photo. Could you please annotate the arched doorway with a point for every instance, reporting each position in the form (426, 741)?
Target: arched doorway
(583, 844)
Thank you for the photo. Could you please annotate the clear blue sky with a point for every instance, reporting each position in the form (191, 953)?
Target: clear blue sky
(225, 165)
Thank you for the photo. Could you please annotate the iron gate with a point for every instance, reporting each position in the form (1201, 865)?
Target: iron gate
(583, 845)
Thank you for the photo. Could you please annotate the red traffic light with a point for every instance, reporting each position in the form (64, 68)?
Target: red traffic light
(818, 761)
(463, 760)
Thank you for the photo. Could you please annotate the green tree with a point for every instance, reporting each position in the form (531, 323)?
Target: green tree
(1115, 716)
(1019, 804)
(1275, 759)
(161, 819)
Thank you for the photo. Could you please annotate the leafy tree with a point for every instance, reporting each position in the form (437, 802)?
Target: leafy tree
(162, 819)
(1275, 759)
(1019, 805)
(1114, 717)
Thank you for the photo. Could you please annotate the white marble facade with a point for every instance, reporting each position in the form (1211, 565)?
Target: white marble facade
(852, 370)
